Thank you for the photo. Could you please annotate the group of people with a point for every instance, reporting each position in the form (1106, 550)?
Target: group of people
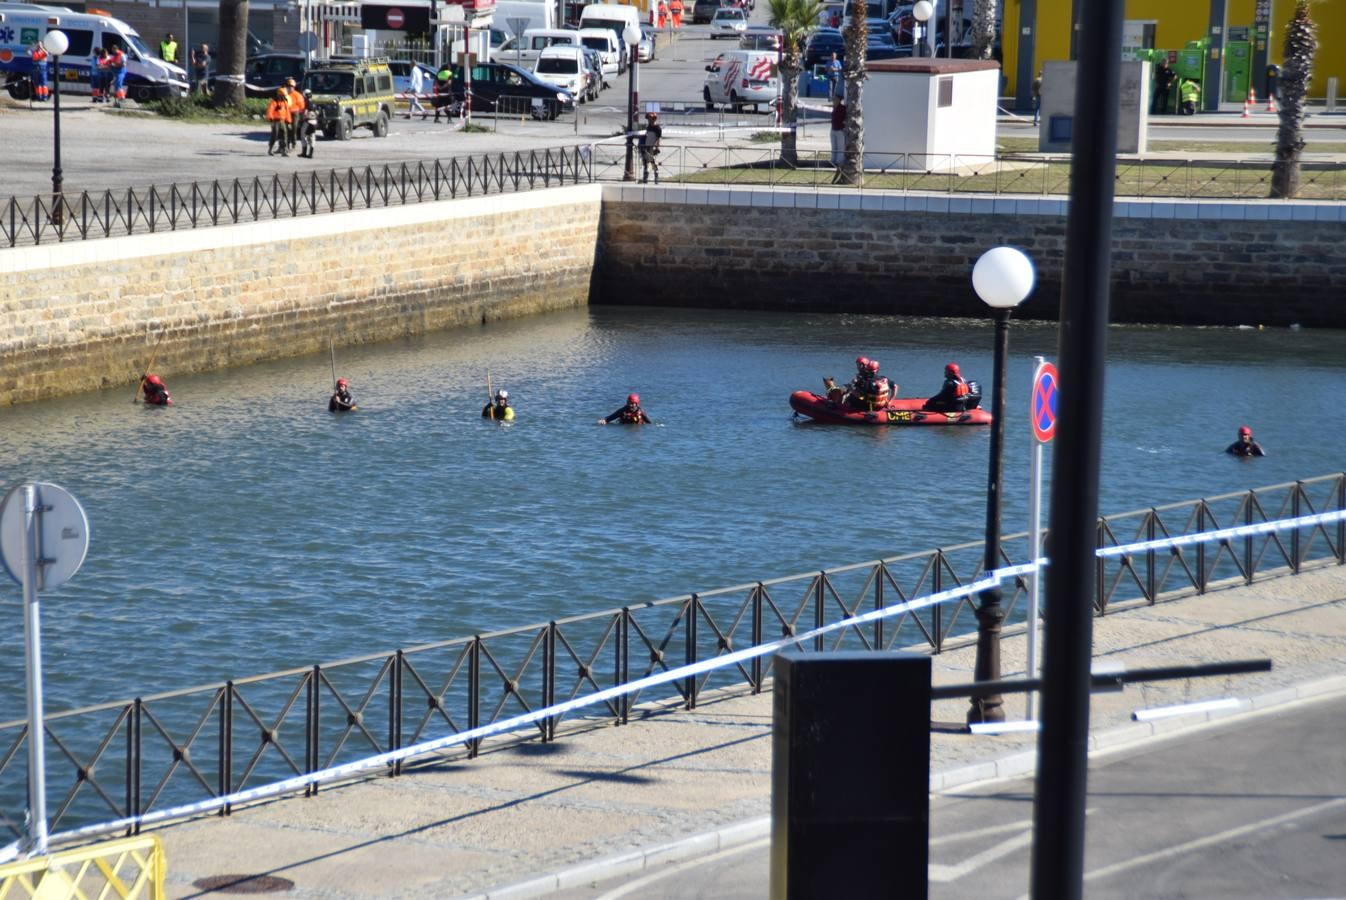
(669, 11)
(294, 120)
(107, 81)
(1166, 81)
(870, 391)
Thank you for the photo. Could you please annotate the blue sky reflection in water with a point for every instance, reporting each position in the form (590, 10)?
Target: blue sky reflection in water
(247, 530)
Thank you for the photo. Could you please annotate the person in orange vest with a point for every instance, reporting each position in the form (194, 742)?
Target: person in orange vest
(39, 71)
(278, 114)
(675, 7)
(116, 63)
(663, 15)
(956, 395)
(98, 76)
(297, 104)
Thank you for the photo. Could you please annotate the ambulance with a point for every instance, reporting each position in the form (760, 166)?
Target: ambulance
(742, 77)
(24, 24)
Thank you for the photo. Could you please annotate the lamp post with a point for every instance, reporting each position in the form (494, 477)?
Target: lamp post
(922, 12)
(56, 43)
(632, 37)
(1003, 278)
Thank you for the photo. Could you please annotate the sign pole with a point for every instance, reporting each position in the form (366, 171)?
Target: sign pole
(32, 645)
(1034, 548)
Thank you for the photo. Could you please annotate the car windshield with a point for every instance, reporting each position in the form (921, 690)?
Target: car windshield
(138, 45)
(330, 82)
(596, 43)
(556, 65)
(729, 14)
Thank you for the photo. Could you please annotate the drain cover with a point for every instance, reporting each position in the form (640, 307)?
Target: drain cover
(243, 884)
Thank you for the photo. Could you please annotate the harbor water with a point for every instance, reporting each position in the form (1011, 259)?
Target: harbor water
(246, 529)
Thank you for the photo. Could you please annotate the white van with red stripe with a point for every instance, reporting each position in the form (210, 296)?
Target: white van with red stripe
(741, 77)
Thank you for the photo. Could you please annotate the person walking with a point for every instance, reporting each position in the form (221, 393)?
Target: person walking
(649, 147)
(116, 63)
(443, 99)
(308, 126)
(675, 10)
(1037, 98)
(297, 104)
(417, 87)
(201, 66)
(278, 114)
(838, 136)
(832, 70)
(40, 65)
(168, 48)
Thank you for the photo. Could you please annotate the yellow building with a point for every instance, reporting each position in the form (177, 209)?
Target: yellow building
(1245, 37)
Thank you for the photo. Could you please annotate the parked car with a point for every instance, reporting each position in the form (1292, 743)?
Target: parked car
(821, 45)
(612, 49)
(565, 67)
(704, 10)
(760, 37)
(881, 46)
(646, 51)
(263, 73)
(401, 70)
(728, 21)
(503, 87)
(597, 80)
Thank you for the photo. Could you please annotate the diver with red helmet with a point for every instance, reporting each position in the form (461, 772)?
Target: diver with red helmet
(1245, 445)
(956, 395)
(156, 392)
(341, 401)
(630, 414)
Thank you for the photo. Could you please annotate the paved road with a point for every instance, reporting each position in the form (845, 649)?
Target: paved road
(1255, 808)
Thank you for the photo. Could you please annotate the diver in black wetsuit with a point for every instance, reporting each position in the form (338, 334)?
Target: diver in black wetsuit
(1245, 445)
(341, 401)
(630, 414)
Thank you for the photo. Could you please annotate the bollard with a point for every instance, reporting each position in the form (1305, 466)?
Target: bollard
(850, 775)
(1332, 94)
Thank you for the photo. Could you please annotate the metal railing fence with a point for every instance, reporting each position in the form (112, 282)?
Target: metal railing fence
(86, 215)
(124, 759)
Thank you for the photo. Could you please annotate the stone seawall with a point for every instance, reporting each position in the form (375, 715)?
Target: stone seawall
(1183, 262)
(87, 315)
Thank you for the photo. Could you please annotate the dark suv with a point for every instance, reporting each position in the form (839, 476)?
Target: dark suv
(500, 87)
(704, 10)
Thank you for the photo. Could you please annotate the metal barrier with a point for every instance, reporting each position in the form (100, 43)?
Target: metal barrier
(128, 759)
(226, 202)
(130, 868)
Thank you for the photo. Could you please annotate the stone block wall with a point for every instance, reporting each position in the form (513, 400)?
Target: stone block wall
(1183, 262)
(87, 314)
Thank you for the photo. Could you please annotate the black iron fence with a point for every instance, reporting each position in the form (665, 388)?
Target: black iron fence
(128, 758)
(70, 216)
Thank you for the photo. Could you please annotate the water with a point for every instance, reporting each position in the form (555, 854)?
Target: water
(247, 530)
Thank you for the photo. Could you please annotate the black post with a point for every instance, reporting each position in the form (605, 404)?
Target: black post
(630, 174)
(57, 180)
(1062, 776)
(990, 613)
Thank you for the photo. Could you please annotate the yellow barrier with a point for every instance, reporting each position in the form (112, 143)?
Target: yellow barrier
(132, 869)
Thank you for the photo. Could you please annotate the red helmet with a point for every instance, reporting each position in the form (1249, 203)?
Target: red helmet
(952, 370)
(873, 365)
(861, 362)
(633, 399)
(341, 382)
(154, 380)
(1245, 431)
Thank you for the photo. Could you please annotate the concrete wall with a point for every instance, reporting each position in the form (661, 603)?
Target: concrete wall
(86, 314)
(1190, 262)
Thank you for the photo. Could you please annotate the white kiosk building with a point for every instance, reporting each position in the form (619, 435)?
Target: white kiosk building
(925, 113)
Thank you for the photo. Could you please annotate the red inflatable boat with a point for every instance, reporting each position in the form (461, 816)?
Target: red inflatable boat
(898, 411)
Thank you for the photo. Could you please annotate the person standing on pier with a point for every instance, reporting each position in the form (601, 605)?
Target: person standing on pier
(341, 401)
(630, 414)
(1245, 445)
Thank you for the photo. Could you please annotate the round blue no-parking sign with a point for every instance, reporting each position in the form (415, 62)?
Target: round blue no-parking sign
(1045, 384)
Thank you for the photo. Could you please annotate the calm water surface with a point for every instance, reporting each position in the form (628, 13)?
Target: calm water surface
(247, 530)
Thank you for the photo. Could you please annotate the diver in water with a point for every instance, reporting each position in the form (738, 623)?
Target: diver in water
(630, 414)
(1245, 445)
(499, 409)
(156, 392)
(341, 401)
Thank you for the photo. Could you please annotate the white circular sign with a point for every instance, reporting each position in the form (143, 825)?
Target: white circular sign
(62, 540)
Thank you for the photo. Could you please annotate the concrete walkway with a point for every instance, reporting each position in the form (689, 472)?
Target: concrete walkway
(560, 815)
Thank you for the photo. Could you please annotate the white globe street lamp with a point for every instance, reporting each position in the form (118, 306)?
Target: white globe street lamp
(922, 12)
(632, 37)
(56, 43)
(1003, 278)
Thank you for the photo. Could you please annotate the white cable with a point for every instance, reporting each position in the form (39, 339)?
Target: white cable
(1222, 534)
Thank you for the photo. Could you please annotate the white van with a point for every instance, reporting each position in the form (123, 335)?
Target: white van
(608, 47)
(23, 24)
(614, 17)
(524, 51)
(566, 68)
(740, 77)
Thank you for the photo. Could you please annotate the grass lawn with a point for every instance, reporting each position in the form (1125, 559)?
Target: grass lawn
(1030, 145)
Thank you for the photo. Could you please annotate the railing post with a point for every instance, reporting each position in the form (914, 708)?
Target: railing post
(937, 611)
(134, 764)
(623, 673)
(1100, 590)
(878, 604)
(818, 608)
(1341, 523)
(1200, 548)
(227, 744)
(311, 749)
(474, 694)
(757, 637)
(689, 648)
(1294, 534)
(549, 680)
(1151, 576)
(395, 710)
(1248, 541)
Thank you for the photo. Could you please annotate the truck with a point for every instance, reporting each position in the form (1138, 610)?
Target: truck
(24, 24)
(539, 15)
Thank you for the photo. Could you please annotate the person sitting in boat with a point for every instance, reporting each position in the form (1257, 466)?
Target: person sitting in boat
(955, 396)
(630, 414)
(869, 390)
(156, 392)
(1245, 445)
(499, 408)
(341, 401)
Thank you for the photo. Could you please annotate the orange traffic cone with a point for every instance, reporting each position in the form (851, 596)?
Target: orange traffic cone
(1247, 109)
(1271, 103)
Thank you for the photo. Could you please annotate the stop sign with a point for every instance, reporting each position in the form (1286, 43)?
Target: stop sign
(395, 17)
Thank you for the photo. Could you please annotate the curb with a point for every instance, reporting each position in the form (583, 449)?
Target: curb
(1107, 741)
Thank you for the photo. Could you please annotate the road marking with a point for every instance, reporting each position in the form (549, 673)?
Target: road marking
(982, 832)
(647, 880)
(946, 874)
(1220, 838)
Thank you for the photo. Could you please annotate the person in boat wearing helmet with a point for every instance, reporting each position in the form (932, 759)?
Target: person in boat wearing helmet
(630, 414)
(499, 408)
(869, 391)
(1245, 445)
(954, 396)
(156, 392)
(341, 401)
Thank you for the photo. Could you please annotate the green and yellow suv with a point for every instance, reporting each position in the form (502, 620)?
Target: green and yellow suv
(351, 94)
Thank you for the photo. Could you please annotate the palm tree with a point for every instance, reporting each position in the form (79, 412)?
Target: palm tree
(229, 89)
(983, 28)
(794, 19)
(1301, 43)
(856, 33)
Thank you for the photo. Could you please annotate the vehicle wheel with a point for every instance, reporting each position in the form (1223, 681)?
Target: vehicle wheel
(734, 103)
(710, 105)
(142, 93)
(20, 90)
(554, 110)
(329, 132)
(381, 125)
(345, 125)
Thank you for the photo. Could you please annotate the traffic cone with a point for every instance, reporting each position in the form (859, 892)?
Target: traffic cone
(1251, 103)
(1271, 103)
(1247, 109)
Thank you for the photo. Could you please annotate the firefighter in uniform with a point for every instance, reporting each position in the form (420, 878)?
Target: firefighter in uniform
(39, 71)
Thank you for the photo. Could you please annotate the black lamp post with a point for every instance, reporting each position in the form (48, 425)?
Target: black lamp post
(1003, 277)
(632, 38)
(56, 43)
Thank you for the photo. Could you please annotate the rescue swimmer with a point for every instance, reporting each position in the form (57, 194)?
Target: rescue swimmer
(630, 414)
(341, 400)
(498, 409)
